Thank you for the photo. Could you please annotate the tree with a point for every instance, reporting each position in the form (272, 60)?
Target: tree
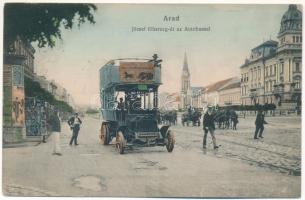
(42, 22)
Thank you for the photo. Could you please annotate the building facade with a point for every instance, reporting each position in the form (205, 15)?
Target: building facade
(196, 100)
(211, 93)
(18, 64)
(59, 92)
(20, 48)
(273, 73)
(230, 95)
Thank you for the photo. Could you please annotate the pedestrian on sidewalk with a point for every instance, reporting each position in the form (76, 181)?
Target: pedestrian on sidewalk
(55, 128)
(209, 126)
(259, 124)
(74, 123)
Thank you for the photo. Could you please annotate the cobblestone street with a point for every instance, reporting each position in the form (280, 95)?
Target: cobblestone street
(242, 167)
(279, 150)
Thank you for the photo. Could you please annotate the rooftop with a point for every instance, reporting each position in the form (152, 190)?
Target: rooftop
(218, 85)
(267, 43)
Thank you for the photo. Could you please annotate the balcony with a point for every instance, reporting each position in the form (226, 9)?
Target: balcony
(295, 90)
(296, 74)
(278, 90)
(289, 46)
(253, 93)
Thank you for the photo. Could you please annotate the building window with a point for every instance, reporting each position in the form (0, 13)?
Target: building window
(297, 39)
(293, 39)
(267, 71)
(274, 71)
(270, 70)
(297, 67)
(282, 68)
(297, 84)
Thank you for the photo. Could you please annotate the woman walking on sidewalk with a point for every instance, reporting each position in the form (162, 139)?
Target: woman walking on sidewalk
(54, 123)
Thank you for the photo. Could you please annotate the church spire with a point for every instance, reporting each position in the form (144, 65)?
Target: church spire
(185, 65)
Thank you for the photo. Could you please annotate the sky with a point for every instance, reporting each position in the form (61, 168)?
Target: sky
(212, 55)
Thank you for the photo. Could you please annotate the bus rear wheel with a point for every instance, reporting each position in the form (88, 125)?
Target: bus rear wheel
(120, 142)
(105, 135)
(170, 141)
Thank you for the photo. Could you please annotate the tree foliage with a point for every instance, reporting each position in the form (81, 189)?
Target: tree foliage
(42, 22)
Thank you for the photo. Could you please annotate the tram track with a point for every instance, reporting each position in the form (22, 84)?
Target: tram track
(259, 156)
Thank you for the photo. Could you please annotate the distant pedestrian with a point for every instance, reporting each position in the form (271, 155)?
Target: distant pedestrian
(54, 124)
(234, 119)
(259, 124)
(74, 123)
(209, 126)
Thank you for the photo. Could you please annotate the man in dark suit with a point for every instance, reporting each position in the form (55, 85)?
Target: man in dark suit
(74, 123)
(209, 126)
(259, 124)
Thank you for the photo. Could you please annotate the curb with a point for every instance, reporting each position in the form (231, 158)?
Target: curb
(23, 144)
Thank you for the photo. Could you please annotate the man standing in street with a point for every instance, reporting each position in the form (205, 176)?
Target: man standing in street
(54, 124)
(74, 123)
(259, 124)
(209, 126)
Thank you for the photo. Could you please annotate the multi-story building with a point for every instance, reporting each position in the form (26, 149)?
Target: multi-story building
(18, 64)
(55, 89)
(23, 49)
(196, 101)
(272, 74)
(210, 95)
(229, 95)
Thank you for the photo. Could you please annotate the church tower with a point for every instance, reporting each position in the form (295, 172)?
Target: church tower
(185, 84)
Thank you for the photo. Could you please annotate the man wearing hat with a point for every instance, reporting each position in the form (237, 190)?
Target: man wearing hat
(74, 123)
(259, 124)
(209, 126)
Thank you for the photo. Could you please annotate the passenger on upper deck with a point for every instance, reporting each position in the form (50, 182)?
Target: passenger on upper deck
(121, 104)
